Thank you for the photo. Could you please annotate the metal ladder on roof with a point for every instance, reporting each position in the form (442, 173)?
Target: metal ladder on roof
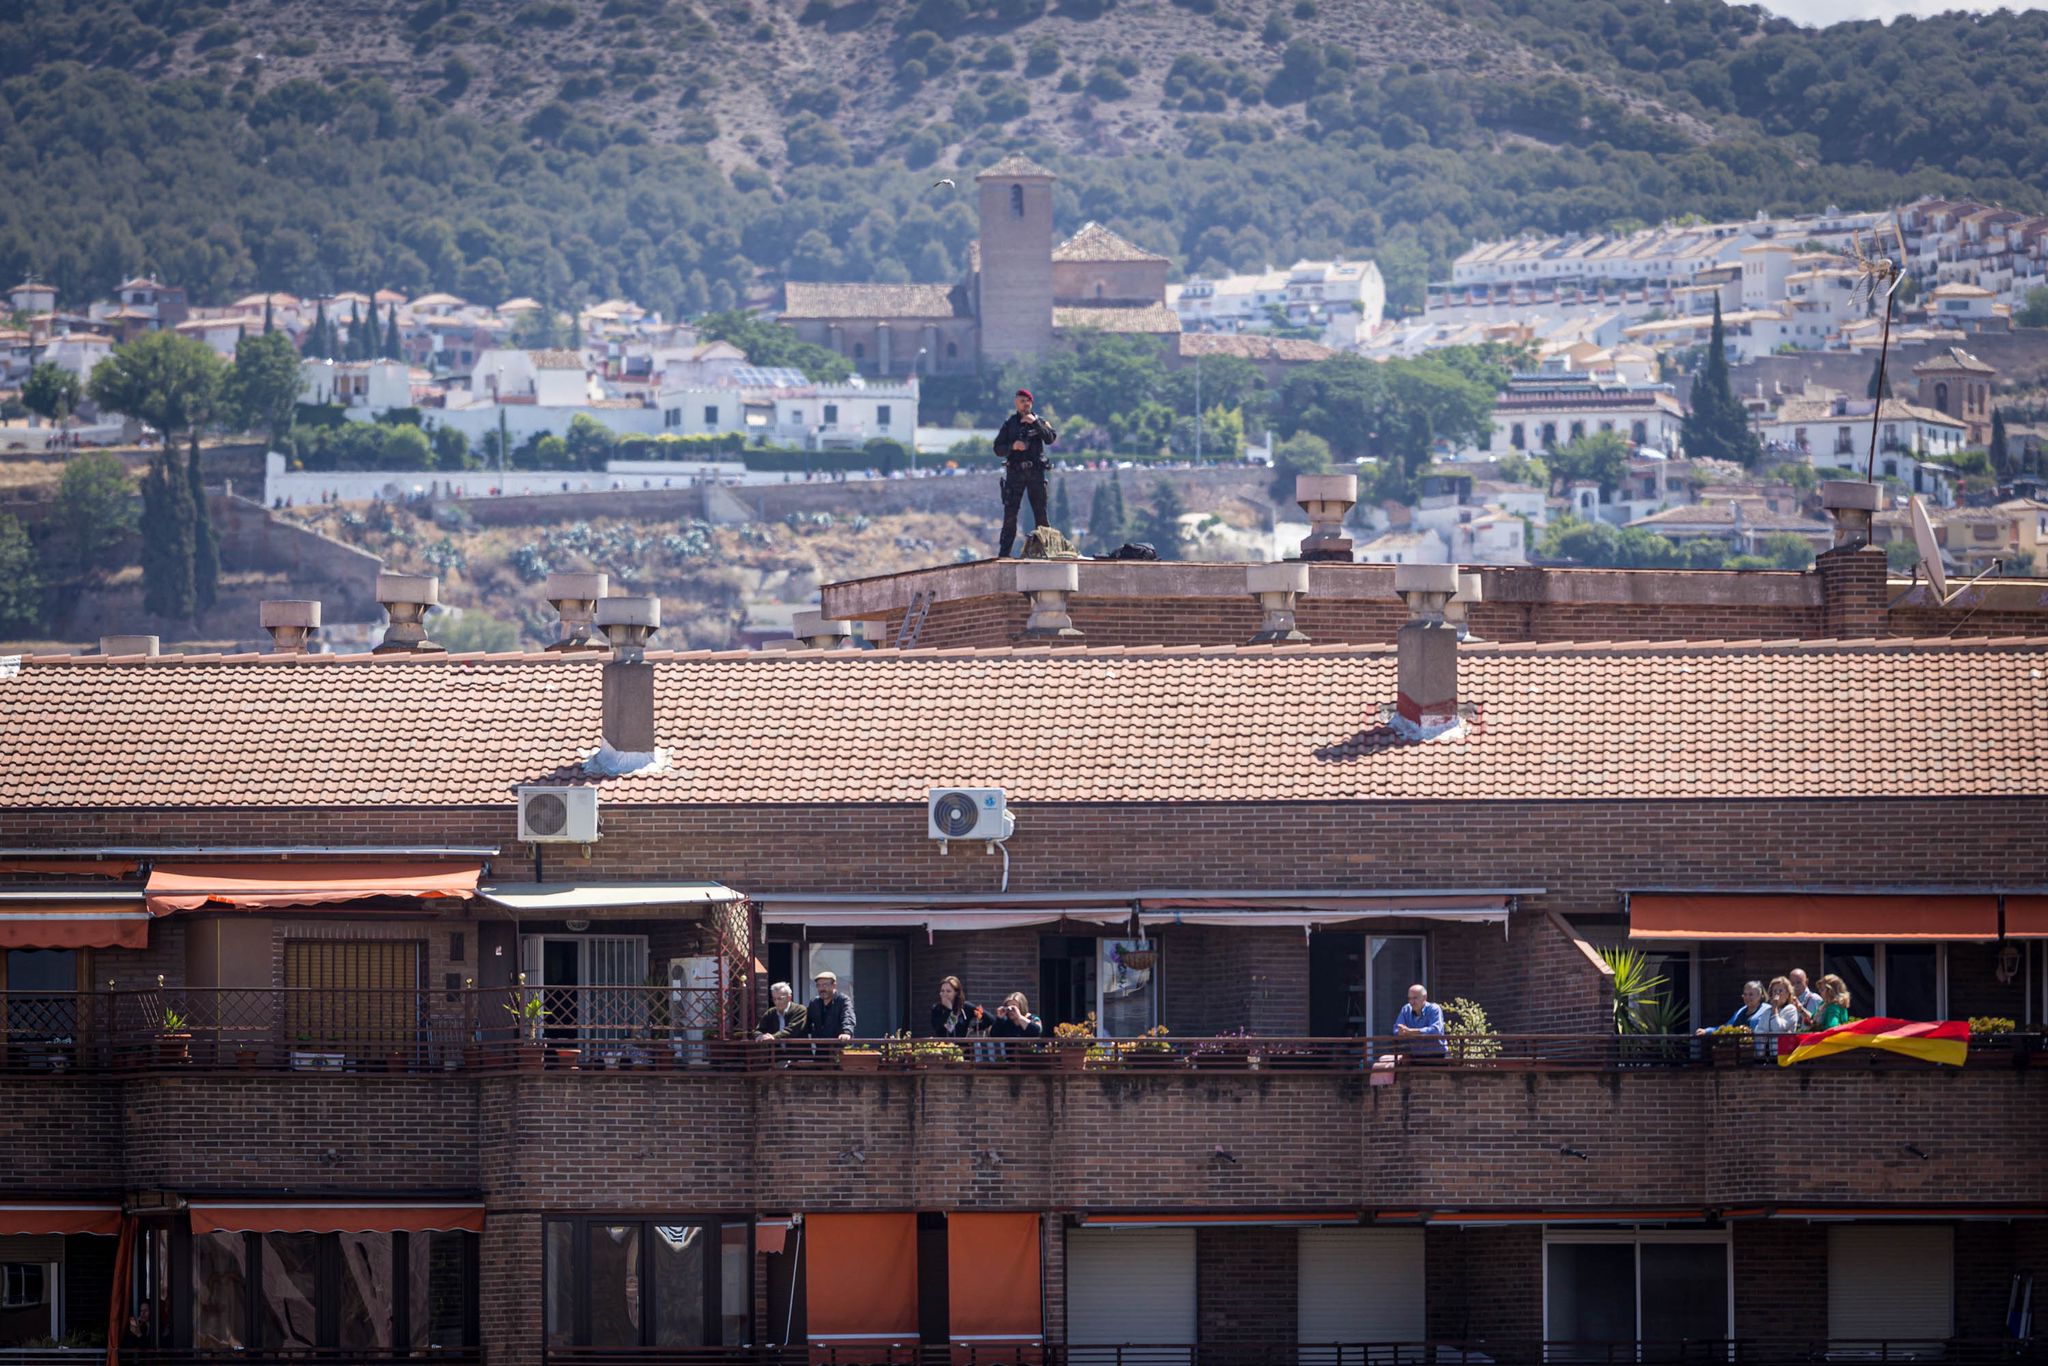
(913, 620)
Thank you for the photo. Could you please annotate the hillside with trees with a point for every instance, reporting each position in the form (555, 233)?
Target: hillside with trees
(692, 155)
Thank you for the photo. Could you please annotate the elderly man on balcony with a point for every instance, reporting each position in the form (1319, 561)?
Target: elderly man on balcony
(1421, 1024)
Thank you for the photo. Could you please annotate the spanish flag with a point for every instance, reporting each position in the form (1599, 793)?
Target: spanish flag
(1941, 1041)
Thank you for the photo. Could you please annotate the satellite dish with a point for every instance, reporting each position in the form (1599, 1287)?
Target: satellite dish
(1930, 549)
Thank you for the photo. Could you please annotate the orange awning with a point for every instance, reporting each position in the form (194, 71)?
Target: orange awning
(1868, 916)
(2026, 917)
(76, 867)
(771, 1235)
(1183, 1220)
(860, 1277)
(73, 925)
(50, 1217)
(252, 886)
(993, 1277)
(271, 1216)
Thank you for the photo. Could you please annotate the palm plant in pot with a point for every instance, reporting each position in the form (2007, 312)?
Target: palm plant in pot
(1638, 998)
(174, 1039)
(529, 1013)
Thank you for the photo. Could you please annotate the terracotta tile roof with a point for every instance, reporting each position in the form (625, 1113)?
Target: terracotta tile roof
(1253, 346)
(1953, 358)
(1097, 243)
(1154, 318)
(1639, 722)
(873, 301)
(1015, 165)
(556, 359)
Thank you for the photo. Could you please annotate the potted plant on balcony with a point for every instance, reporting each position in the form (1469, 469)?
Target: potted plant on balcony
(306, 1059)
(1731, 1046)
(1469, 1034)
(1227, 1052)
(916, 1055)
(529, 1013)
(1150, 1049)
(1072, 1043)
(174, 1040)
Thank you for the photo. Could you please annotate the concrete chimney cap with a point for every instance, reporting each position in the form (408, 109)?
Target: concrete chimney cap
(810, 623)
(1326, 488)
(300, 613)
(1851, 495)
(642, 612)
(572, 586)
(420, 588)
(1425, 578)
(1471, 588)
(1284, 576)
(1048, 576)
(128, 645)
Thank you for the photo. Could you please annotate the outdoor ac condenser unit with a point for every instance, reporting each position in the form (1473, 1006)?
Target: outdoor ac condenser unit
(968, 813)
(558, 815)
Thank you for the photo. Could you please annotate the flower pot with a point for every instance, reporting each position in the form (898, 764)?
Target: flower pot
(850, 1061)
(173, 1050)
(1073, 1059)
(245, 1060)
(531, 1057)
(567, 1057)
(1151, 1058)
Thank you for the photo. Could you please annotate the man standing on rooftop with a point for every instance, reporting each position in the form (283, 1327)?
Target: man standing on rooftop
(1021, 443)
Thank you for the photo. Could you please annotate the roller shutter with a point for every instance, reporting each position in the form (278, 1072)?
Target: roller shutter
(1358, 1285)
(1893, 1281)
(1130, 1286)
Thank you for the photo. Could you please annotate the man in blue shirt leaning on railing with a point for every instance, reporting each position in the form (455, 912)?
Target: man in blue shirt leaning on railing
(1421, 1024)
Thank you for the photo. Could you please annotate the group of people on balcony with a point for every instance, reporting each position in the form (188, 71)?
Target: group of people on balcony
(1790, 1006)
(956, 1017)
(830, 1014)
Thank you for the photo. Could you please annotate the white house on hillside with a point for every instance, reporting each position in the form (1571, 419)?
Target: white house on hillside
(814, 416)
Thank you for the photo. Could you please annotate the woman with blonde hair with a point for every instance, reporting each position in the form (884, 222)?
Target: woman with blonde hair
(1779, 1015)
(1834, 1002)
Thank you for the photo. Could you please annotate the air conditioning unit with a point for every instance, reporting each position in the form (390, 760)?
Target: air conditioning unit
(968, 813)
(558, 815)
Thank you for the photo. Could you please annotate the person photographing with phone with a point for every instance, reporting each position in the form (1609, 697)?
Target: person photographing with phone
(1021, 443)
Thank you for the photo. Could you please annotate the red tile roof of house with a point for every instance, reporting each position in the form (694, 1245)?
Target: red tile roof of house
(1220, 724)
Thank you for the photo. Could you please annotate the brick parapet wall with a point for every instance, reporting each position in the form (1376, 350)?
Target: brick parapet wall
(960, 1139)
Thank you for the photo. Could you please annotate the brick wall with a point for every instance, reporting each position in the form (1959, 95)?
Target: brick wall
(1484, 1283)
(1781, 1279)
(1245, 1289)
(1855, 591)
(60, 1136)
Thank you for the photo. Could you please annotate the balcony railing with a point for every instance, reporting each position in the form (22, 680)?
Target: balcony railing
(666, 1029)
(1523, 1351)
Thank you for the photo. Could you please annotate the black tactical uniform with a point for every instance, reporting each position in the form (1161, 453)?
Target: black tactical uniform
(1023, 471)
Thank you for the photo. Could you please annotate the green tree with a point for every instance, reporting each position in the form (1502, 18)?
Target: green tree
(451, 449)
(1717, 427)
(51, 393)
(353, 348)
(1062, 510)
(95, 506)
(1105, 516)
(21, 584)
(394, 349)
(1302, 453)
(172, 383)
(2000, 451)
(264, 385)
(1393, 411)
(1161, 525)
(269, 323)
(205, 545)
(1601, 457)
(589, 442)
(320, 337)
(2033, 310)
(1877, 367)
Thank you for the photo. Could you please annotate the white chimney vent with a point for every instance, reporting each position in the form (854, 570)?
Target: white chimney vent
(406, 600)
(1327, 499)
(291, 623)
(129, 646)
(816, 631)
(1050, 584)
(1278, 588)
(628, 623)
(575, 596)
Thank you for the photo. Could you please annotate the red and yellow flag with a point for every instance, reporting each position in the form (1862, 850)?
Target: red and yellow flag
(1942, 1041)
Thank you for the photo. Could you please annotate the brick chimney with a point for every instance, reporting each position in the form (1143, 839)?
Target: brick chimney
(1050, 584)
(574, 598)
(406, 599)
(816, 631)
(1426, 650)
(628, 678)
(1328, 500)
(1854, 576)
(1278, 588)
(129, 646)
(291, 623)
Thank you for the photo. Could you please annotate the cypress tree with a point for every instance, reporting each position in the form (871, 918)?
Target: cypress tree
(205, 545)
(1062, 510)
(268, 325)
(167, 537)
(393, 350)
(2000, 451)
(1161, 525)
(1870, 388)
(354, 350)
(1102, 529)
(1716, 427)
(318, 343)
(1120, 518)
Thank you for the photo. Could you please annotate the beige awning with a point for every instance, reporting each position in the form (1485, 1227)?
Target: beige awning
(574, 898)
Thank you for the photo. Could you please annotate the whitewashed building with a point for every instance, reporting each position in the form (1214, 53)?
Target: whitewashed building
(1346, 299)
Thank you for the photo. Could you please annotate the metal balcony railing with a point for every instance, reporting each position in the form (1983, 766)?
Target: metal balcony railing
(665, 1029)
(1759, 1352)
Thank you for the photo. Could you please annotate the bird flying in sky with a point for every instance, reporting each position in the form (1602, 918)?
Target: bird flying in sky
(947, 183)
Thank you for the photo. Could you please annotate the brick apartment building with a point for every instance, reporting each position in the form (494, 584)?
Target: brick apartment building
(274, 1083)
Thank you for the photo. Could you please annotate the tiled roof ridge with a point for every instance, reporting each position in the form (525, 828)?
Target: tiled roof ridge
(1714, 646)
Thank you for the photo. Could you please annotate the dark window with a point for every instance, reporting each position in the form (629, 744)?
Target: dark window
(1016, 201)
(682, 1282)
(1515, 436)
(1639, 432)
(347, 1292)
(881, 414)
(952, 350)
(711, 414)
(860, 350)
(1941, 396)
(41, 1008)
(458, 946)
(831, 414)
